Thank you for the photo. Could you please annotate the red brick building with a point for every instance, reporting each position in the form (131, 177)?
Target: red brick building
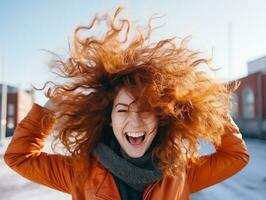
(249, 107)
(18, 103)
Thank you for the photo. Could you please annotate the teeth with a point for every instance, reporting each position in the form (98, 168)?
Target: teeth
(135, 134)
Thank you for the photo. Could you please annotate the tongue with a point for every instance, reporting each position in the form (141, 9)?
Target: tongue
(135, 141)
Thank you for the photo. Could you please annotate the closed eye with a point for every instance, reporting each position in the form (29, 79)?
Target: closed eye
(122, 111)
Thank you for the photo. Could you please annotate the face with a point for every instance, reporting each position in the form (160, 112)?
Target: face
(134, 129)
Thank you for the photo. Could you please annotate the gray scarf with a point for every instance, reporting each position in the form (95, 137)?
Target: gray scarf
(135, 172)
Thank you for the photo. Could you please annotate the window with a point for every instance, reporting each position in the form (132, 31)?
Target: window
(10, 123)
(10, 109)
(248, 106)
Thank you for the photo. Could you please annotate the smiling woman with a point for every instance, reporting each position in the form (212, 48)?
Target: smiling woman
(135, 134)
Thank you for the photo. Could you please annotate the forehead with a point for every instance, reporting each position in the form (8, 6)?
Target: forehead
(123, 96)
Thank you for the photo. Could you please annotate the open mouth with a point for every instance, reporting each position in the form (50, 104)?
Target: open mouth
(135, 138)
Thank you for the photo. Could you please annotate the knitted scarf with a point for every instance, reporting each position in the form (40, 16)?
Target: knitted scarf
(135, 172)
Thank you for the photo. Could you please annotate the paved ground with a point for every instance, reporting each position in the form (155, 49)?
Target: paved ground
(249, 184)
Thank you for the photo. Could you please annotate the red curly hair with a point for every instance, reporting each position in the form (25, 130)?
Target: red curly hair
(163, 77)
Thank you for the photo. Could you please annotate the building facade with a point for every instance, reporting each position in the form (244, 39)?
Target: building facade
(249, 101)
(17, 104)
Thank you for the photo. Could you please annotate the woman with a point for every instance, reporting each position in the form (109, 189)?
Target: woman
(130, 116)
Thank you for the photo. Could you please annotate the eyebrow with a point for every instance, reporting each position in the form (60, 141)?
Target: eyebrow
(124, 104)
(121, 104)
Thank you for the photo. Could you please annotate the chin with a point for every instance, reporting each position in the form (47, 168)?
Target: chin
(135, 154)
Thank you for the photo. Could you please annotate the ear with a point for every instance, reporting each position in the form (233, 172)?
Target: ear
(110, 124)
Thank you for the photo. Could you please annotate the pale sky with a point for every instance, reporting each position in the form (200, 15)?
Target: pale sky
(28, 26)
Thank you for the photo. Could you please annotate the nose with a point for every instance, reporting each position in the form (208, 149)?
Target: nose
(135, 118)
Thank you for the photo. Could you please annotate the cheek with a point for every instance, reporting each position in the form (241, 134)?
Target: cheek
(117, 125)
(152, 123)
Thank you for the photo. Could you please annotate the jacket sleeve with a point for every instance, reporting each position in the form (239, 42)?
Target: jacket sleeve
(25, 157)
(230, 157)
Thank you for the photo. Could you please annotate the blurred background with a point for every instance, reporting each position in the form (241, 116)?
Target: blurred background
(231, 32)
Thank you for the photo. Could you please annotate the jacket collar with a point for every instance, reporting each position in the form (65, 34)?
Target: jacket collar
(108, 189)
(102, 185)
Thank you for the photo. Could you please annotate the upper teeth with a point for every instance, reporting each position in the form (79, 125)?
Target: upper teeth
(135, 134)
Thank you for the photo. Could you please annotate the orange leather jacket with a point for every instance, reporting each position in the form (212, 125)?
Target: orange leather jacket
(60, 172)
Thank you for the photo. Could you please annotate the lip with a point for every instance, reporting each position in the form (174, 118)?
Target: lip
(136, 145)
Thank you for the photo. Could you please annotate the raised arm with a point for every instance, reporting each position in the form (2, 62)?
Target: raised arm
(230, 157)
(25, 157)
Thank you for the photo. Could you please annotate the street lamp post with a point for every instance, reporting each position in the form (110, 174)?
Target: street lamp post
(3, 104)
(3, 111)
